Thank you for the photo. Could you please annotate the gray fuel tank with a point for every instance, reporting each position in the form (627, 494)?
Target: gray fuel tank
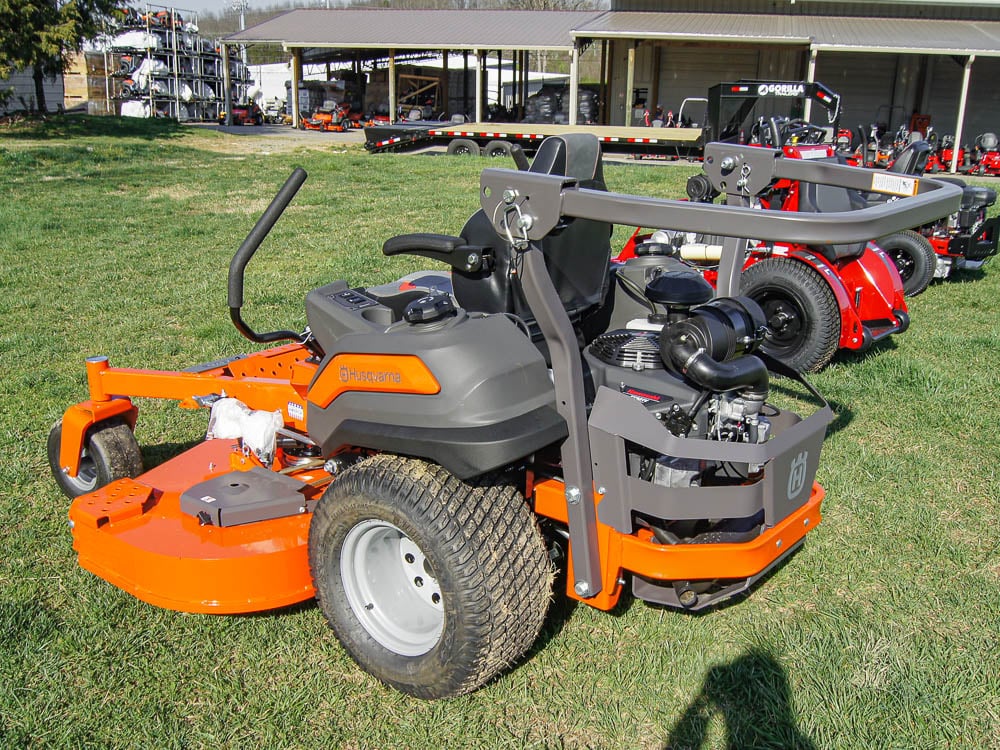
(496, 403)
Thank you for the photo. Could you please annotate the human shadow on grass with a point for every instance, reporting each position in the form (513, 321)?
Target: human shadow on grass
(754, 699)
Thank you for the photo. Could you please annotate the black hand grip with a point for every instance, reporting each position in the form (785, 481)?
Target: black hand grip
(260, 230)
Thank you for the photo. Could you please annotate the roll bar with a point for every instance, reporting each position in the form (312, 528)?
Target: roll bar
(528, 206)
(237, 266)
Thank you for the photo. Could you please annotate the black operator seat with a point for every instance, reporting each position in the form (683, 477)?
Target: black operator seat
(822, 199)
(912, 160)
(577, 254)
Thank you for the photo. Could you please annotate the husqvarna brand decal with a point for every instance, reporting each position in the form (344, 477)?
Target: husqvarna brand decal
(385, 373)
(797, 474)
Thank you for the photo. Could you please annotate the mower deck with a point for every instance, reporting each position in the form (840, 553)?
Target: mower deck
(133, 534)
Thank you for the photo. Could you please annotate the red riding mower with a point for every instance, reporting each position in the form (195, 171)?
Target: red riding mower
(986, 157)
(247, 113)
(416, 461)
(964, 240)
(817, 297)
(942, 155)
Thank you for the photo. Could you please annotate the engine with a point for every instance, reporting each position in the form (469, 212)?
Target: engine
(693, 368)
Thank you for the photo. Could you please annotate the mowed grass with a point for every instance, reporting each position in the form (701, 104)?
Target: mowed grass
(881, 632)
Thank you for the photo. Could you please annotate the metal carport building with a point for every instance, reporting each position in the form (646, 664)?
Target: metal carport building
(908, 65)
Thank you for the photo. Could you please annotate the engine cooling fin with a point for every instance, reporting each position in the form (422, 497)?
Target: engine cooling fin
(636, 350)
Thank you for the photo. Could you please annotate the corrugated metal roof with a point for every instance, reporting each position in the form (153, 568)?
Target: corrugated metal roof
(917, 36)
(723, 27)
(908, 35)
(385, 28)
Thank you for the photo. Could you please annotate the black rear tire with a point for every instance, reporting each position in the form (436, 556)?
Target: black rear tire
(914, 258)
(433, 585)
(497, 149)
(802, 314)
(463, 147)
(110, 453)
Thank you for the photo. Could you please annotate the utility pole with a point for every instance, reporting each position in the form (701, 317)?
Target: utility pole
(240, 6)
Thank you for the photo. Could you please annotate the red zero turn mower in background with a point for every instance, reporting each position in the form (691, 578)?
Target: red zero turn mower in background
(419, 461)
(817, 297)
(965, 239)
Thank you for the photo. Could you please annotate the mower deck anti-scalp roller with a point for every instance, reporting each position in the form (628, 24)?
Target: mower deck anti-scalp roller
(419, 458)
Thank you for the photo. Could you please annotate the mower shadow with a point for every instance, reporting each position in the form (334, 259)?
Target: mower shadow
(963, 276)
(754, 698)
(842, 415)
(850, 357)
(626, 602)
(158, 453)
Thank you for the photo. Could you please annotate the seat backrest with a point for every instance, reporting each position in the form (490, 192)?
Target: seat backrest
(822, 199)
(912, 159)
(577, 255)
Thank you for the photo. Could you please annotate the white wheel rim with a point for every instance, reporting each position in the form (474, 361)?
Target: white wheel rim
(391, 588)
(86, 478)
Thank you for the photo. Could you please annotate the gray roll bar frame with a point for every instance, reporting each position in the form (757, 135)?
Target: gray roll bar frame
(525, 207)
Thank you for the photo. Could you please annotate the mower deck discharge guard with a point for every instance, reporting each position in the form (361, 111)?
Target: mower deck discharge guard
(412, 449)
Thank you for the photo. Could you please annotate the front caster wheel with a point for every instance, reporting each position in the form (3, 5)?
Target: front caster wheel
(110, 452)
(432, 584)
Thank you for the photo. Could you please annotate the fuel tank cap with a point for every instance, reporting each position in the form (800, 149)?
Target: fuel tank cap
(429, 309)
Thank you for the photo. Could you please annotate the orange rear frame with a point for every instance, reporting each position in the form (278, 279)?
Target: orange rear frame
(641, 554)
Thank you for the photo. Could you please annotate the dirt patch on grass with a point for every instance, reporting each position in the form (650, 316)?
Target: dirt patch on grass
(270, 139)
(174, 193)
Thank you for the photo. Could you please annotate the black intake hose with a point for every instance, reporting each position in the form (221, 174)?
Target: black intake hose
(713, 347)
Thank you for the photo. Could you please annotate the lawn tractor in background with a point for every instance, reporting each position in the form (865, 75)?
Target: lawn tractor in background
(332, 118)
(983, 158)
(419, 460)
(965, 239)
(247, 113)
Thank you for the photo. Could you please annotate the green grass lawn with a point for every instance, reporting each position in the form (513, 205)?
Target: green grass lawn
(881, 632)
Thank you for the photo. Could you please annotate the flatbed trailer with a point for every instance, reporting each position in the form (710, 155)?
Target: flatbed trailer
(496, 138)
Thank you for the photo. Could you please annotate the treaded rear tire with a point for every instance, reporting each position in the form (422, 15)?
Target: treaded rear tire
(914, 258)
(110, 453)
(483, 551)
(801, 309)
(497, 149)
(463, 147)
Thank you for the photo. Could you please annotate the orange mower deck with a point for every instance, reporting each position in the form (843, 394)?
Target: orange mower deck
(133, 534)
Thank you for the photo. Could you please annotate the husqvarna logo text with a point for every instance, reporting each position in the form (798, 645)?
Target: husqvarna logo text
(352, 375)
(781, 89)
(797, 474)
